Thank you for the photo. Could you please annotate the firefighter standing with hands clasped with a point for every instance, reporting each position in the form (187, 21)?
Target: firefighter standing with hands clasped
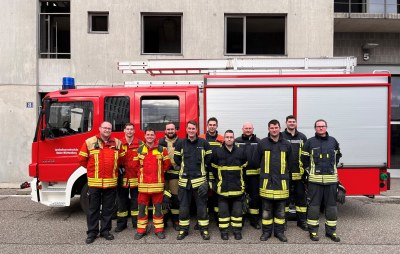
(320, 157)
(100, 156)
(154, 161)
(227, 166)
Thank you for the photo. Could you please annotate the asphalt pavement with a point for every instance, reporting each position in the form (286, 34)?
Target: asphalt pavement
(365, 225)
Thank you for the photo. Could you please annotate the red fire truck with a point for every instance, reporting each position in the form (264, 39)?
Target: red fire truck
(356, 107)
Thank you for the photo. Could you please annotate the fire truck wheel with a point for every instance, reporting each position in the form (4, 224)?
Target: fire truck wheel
(84, 199)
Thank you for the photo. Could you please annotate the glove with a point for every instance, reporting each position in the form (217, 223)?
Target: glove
(166, 200)
(305, 176)
(203, 190)
(341, 193)
(245, 202)
(121, 171)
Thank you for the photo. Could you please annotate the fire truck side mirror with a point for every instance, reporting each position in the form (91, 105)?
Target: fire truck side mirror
(46, 133)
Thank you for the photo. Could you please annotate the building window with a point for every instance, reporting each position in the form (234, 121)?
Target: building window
(116, 111)
(98, 22)
(54, 30)
(162, 34)
(255, 35)
(157, 111)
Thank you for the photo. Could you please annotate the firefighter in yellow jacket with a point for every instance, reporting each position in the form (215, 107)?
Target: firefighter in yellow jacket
(100, 156)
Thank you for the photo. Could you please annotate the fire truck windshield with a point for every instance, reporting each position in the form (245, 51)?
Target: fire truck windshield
(69, 118)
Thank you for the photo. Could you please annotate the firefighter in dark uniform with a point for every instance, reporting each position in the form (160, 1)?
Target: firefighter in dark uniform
(248, 142)
(276, 159)
(100, 155)
(215, 140)
(227, 166)
(128, 183)
(172, 175)
(193, 154)
(297, 188)
(320, 156)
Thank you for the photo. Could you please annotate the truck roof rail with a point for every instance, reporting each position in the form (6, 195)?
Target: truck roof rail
(206, 66)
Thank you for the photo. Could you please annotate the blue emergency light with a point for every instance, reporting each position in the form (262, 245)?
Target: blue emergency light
(68, 83)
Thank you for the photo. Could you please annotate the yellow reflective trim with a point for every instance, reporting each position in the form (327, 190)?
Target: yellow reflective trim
(297, 176)
(266, 161)
(265, 184)
(331, 223)
(184, 222)
(284, 186)
(175, 211)
(301, 209)
(122, 214)
(236, 218)
(305, 153)
(134, 213)
(158, 221)
(203, 222)
(83, 154)
(283, 163)
(253, 171)
(286, 209)
(227, 219)
(313, 222)
(236, 225)
(223, 225)
(267, 222)
(279, 221)
(96, 165)
(254, 211)
(229, 168)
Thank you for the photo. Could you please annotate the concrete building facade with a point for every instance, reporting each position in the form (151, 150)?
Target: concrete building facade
(44, 41)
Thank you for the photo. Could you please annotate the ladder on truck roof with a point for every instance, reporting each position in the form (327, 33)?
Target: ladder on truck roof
(339, 65)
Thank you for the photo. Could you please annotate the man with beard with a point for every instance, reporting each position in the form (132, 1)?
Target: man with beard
(170, 140)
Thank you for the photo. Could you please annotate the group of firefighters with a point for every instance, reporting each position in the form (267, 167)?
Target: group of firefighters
(227, 177)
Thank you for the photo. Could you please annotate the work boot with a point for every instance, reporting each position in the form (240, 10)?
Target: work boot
(120, 229)
(302, 225)
(160, 235)
(254, 223)
(197, 227)
(176, 226)
(265, 236)
(107, 235)
(281, 237)
(90, 239)
(205, 235)
(139, 236)
(333, 237)
(224, 236)
(238, 235)
(182, 234)
(314, 237)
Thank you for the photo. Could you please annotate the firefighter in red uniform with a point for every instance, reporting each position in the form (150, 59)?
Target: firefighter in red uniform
(128, 182)
(100, 156)
(154, 161)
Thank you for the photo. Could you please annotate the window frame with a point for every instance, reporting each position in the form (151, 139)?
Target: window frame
(244, 17)
(92, 14)
(142, 32)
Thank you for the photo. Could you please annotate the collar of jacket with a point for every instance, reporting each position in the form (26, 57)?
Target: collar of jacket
(109, 142)
(226, 148)
(279, 139)
(251, 137)
(290, 134)
(323, 138)
(194, 141)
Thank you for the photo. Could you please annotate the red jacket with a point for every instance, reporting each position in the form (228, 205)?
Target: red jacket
(153, 164)
(101, 161)
(130, 162)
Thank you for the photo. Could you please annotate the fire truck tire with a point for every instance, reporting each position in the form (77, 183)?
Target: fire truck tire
(84, 198)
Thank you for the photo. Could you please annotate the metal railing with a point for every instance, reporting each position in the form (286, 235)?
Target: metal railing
(367, 6)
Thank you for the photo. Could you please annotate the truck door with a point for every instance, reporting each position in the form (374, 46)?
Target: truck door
(67, 123)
